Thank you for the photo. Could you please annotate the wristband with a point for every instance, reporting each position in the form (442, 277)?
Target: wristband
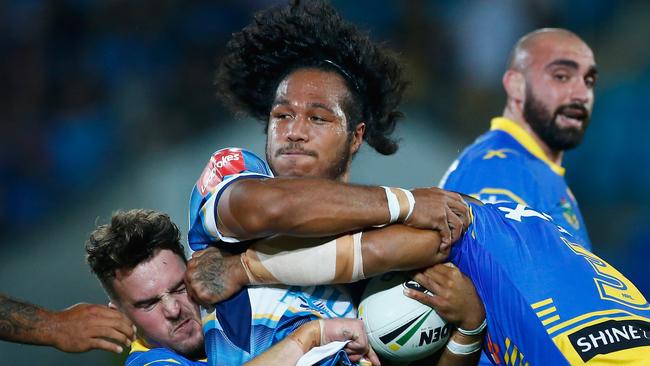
(473, 332)
(463, 349)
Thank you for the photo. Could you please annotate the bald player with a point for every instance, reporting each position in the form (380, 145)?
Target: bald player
(550, 94)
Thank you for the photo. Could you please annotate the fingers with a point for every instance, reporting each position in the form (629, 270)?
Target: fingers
(455, 225)
(112, 335)
(445, 231)
(372, 356)
(98, 343)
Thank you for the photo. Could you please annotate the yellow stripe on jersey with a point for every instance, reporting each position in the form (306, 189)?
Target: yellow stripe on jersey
(613, 314)
(525, 139)
(539, 304)
(544, 312)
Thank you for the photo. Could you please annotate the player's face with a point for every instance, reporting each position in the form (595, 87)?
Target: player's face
(308, 130)
(153, 296)
(559, 90)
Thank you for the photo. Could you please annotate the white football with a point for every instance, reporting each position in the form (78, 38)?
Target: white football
(400, 328)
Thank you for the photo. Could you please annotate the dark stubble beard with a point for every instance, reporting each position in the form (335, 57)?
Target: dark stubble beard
(335, 171)
(545, 125)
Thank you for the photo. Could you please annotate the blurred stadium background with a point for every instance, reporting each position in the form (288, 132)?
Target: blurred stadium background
(109, 105)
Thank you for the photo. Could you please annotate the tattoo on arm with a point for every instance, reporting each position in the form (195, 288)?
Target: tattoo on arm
(18, 320)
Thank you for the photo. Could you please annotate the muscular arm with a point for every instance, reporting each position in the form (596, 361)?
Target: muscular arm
(79, 328)
(309, 335)
(255, 208)
(298, 261)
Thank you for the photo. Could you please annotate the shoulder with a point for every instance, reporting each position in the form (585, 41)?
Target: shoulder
(229, 162)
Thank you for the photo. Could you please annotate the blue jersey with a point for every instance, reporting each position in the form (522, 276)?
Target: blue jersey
(256, 318)
(548, 300)
(141, 355)
(506, 164)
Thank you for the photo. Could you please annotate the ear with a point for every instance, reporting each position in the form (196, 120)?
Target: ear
(515, 85)
(357, 137)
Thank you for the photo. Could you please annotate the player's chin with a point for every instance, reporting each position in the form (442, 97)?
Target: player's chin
(293, 169)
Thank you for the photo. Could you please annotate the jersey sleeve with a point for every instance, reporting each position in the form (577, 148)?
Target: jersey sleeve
(493, 176)
(225, 167)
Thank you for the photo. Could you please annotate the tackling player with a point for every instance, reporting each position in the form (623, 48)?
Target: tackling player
(322, 87)
(549, 82)
(140, 262)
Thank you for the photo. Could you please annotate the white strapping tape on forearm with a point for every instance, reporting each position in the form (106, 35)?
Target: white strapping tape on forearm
(357, 266)
(336, 261)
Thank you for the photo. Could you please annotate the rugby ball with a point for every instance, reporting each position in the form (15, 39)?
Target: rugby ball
(399, 328)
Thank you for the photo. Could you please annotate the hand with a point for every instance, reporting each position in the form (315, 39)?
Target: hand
(211, 277)
(454, 296)
(83, 327)
(440, 210)
(343, 329)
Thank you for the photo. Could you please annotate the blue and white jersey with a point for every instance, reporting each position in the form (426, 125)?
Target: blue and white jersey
(507, 164)
(143, 355)
(257, 317)
(548, 300)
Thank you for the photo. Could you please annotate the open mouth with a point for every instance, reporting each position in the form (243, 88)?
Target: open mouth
(572, 117)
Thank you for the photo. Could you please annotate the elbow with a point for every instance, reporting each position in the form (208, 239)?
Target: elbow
(257, 215)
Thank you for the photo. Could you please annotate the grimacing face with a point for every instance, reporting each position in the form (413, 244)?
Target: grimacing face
(308, 130)
(153, 296)
(559, 90)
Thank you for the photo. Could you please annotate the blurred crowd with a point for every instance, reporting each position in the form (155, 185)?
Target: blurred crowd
(89, 85)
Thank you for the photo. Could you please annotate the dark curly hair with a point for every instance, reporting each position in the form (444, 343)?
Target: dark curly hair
(131, 238)
(313, 34)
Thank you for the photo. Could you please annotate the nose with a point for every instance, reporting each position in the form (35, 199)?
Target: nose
(581, 93)
(298, 129)
(171, 307)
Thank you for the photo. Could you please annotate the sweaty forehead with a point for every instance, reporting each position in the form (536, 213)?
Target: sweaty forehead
(312, 85)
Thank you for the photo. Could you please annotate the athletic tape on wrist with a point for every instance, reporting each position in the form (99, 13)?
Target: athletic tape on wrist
(411, 201)
(393, 205)
(463, 349)
(473, 332)
(400, 204)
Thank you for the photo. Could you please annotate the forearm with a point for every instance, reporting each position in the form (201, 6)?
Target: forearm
(400, 248)
(23, 322)
(290, 349)
(299, 207)
(345, 259)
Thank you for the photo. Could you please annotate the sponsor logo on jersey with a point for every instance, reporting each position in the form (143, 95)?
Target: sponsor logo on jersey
(610, 336)
(223, 163)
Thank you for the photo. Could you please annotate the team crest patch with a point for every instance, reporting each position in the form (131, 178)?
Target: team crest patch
(569, 215)
(222, 163)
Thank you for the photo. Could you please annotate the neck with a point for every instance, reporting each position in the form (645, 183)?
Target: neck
(515, 114)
